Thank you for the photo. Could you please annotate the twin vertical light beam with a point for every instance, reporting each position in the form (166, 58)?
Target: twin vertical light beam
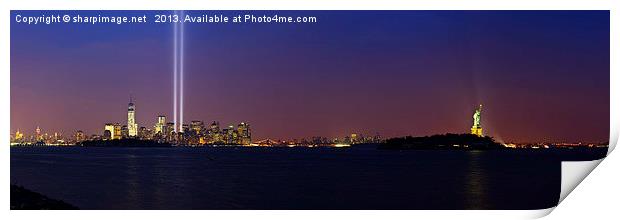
(178, 71)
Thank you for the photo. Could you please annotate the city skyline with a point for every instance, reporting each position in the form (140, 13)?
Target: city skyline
(199, 133)
(409, 73)
(196, 132)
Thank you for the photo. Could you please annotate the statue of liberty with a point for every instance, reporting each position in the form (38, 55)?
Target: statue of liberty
(476, 129)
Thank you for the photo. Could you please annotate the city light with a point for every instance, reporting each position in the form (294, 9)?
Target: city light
(197, 133)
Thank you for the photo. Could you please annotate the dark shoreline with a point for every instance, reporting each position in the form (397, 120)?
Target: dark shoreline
(24, 199)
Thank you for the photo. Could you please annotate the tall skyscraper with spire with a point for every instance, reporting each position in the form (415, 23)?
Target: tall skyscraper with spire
(132, 126)
(476, 129)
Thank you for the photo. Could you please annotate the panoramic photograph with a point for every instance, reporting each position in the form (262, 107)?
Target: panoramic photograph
(303, 110)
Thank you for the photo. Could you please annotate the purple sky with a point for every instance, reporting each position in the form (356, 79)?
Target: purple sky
(541, 75)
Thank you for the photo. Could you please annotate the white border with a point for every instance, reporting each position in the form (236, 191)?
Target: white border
(300, 5)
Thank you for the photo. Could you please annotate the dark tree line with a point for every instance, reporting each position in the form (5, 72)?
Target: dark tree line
(442, 141)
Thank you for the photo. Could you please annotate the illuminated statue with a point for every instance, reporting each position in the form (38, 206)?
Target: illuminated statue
(476, 129)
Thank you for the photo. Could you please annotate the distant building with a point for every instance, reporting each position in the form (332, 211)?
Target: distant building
(214, 134)
(169, 128)
(79, 136)
(96, 137)
(145, 133)
(197, 127)
(229, 135)
(160, 126)
(107, 134)
(169, 131)
(124, 131)
(244, 134)
(108, 131)
(117, 131)
(57, 138)
(38, 135)
(132, 126)
(354, 139)
(18, 136)
(184, 128)
(476, 128)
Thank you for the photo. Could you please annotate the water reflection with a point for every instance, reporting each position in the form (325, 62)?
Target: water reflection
(124, 178)
(132, 181)
(159, 181)
(476, 182)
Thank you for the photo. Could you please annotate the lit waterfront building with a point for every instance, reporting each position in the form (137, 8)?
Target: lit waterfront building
(124, 132)
(230, 136)
(244, 136)
(197, 127)
(202, 140)
(95, 137)
(354, 139)
(476, 128)
(160, 126)
(57, 139)
(107, 135)
(145, 133)
(79, 136)
(132, 126)
(169, 131)
(169, 128)
(184, 128)
(18, 136)
(214, 133)
(108, 131)
(38, 135)
(117, 131)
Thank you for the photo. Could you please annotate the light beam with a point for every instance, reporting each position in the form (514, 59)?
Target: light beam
(181, 70)
(174, 76)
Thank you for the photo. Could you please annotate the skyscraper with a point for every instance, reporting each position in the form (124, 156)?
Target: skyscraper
(132, 126)
(184, 128)
(214, 133)
(117, 131)
(160, 126)
(170, 134)
(124, 132)
(145, 133)
(476, 128)
(197, 127)
(244, 134)
(38, 134)
(229, 135)
(108, 131)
